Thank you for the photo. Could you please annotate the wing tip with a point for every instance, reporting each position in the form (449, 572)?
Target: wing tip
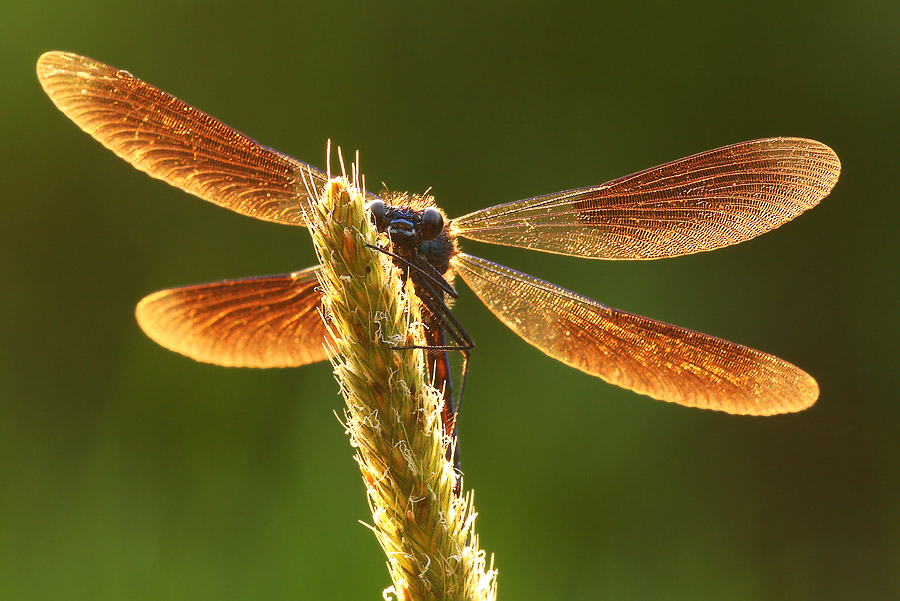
(824, 155)
(52, 56)
(47, 65)
(146, 314)
(52, 61)
(797, 392)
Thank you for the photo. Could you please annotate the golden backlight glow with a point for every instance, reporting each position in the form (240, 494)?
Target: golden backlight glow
(702, 202)
(699, 203)
(255, 322)
(172, 141)
(650, 357)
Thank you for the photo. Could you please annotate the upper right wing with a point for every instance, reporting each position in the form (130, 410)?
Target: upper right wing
(702, 202)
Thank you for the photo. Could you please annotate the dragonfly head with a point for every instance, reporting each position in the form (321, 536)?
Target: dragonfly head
(405, 224)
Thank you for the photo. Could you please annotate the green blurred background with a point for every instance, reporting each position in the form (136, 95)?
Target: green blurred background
(129, 472)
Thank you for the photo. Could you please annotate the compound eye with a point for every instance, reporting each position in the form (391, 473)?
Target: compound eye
(376, 208)
(431, 224)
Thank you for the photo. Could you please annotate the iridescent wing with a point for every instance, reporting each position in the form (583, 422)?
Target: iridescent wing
(172, 141)
(702, 202)
(269, 321)
(649, 357)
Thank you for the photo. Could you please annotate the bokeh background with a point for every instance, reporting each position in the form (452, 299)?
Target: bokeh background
(129, 472)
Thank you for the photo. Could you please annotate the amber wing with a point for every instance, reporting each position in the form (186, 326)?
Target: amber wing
(702, 202)
(269, 321)
(650, 357)
(173, 141)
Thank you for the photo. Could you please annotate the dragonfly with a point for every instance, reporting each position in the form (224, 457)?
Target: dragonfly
(700, 203)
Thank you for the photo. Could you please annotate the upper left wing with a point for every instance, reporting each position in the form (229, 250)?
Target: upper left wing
(172, 141)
